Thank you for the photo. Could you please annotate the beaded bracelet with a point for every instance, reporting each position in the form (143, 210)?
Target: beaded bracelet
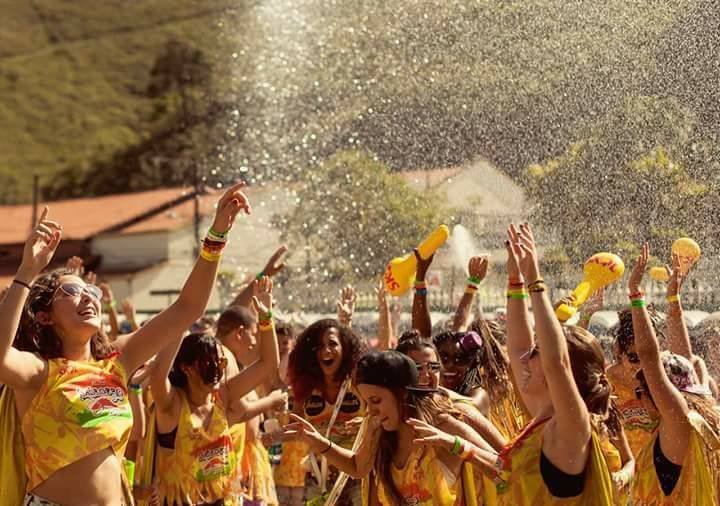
(637, 303)
(537, 287)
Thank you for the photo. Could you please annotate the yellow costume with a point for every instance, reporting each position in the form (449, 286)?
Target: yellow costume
(507, 416)
(424, 481)
(12, 451)
(83, 408)
(201, 467)
(614, 463)
(519, 481)
(256, 470)
(695, 487)
(637, 423)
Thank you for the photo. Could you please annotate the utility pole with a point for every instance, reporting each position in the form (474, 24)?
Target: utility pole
(36, 199)
(196, 210)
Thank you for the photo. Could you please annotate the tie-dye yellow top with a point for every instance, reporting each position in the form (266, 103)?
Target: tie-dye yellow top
(424, 481)
(636, 421)
(83, 408)
(696, 486)
(201, 467)
(519, 481)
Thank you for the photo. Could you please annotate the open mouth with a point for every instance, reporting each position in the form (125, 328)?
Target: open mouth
(88, 312)
(327, 362)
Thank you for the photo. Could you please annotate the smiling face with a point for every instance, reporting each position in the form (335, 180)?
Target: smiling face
(75, 310)
(329, 352)
(383, 403)
(428, 367)
(455, 363)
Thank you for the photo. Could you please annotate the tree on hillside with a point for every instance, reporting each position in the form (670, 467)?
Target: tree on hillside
(353, 215)
(632, 178)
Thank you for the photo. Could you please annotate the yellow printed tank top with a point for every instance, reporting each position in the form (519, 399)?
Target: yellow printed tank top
(695, 486)
(507, 416)
(318, 411)
(424, 481)
(83, 408)
(201, 468)
(635, 419)
(520, 483)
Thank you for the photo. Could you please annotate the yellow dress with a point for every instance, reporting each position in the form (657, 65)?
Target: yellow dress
(424, 481)
(83, 408)
(201, 468)
(507, 416)
(614, 463)
(696, 485)
(255, 465)
(520, 483)
(12, 451)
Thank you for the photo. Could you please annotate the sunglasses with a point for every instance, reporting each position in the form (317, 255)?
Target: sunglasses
(430, 366)
(76, 289)
(633, 357)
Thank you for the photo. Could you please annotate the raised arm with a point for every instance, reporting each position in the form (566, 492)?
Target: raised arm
(594, 304)
(674, 427)
(19, 369)
(109, 306)
(420, 310)
(571, 420)
(273, 266)
(190, 305)
(256, 373)
(678, 335)
(477, 270)
(519, 333)
(386, 334)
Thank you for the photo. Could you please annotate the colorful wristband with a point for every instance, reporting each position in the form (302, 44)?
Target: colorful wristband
(260, 275)
(210, 256)
(636, 295)
(474, 280)
(420, 291)
(673, 298)
(637, 303)
(136, 389)
(517, 296)
(457, 446)
(218, 235)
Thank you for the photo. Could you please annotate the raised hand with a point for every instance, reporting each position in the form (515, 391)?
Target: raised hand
(128, 309)
(514, 254)
(381, 293)
(274, 265)
(262, 295)
(595, 302)
(524, 252)
(229, 206)
(422, 265)
(346, 305)
(41, 245)
(279, 400)
(477, 268)
(427, 435)
(75, 264)
(107, 294)
(639, 269)
(676, 275)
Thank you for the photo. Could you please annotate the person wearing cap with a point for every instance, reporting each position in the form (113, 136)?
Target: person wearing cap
(680, 463)
(396, 470)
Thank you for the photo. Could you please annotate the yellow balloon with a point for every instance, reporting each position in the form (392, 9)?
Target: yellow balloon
(599, 271)
(659, 274)
(687, 249)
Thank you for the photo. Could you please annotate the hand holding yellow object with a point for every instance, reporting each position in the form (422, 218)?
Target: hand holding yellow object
(400, 272)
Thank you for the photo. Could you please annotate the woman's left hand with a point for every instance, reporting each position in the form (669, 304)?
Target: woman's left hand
(230, 204)
(262, 295)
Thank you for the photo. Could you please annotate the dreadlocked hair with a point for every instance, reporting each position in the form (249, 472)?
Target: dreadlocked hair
(35, 337)
(494, 370)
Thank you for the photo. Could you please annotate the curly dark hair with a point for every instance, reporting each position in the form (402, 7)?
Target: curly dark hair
(623, 331)
(35, 337)
(304, 372)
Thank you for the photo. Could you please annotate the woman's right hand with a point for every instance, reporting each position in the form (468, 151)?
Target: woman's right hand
(262, 295)
(40, 246)
(477, 267)
(638, 271)
(305, 431)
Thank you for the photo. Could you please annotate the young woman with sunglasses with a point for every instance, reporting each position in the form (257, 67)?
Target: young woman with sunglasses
(397, 471)
(69, 381)
(196, 460)
(680, 464)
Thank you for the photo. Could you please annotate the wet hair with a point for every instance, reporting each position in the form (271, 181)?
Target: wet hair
(35, 337)
(201, 350)
(304, 372)
(411, 340)
(623, 330)
(588, 369)
(232, 318)
(397, 372)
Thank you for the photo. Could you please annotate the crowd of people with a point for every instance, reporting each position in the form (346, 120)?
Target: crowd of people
(186, 409)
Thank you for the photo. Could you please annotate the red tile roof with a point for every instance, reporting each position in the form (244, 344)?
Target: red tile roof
(84, 218)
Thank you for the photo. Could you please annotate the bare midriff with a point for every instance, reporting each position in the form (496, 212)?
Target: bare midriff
(94, 479)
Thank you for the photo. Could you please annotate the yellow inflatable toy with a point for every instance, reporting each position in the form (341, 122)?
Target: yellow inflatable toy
(400, 272)
(659, 274)
(600, 270)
